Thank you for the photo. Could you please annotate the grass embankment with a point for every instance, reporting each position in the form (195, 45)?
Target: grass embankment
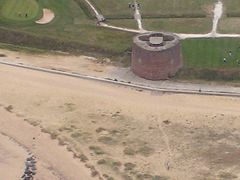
(204, 59)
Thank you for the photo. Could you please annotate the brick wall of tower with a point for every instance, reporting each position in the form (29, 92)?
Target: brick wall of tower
(156, 65)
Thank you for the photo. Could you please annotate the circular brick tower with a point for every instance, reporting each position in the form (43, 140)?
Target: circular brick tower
(156, 56)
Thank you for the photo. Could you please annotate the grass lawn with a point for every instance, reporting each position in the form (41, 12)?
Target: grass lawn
(20, 10)
(126, 23)
(230, 22)
(229, 25)
(179, 25)
(180, 16)
(113, 8)
(204, 59)
(209, 53)
(155, 8)
(71, 25)
(232, 8)
(175, 8)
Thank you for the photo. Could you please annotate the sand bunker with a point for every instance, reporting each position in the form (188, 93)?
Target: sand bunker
(47, 17)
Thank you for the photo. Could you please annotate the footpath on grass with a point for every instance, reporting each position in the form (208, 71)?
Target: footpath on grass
(218, 10)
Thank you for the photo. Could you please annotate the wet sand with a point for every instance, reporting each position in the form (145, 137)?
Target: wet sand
(12, 158)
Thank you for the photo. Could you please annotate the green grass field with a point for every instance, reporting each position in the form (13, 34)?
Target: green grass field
(71, 25)
(74, 30)
(128, 23)
(232, 8)
(230, 23)
(204, 59)
(189, 15)
(209, 53)
(179, 25)
(175, 8)
(154, 8)
(17, 10)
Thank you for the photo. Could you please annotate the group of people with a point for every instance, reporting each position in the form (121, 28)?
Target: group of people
(20, 14)
(132, 5)
(230, 58)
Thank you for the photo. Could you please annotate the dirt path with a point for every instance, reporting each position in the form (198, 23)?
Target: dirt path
(48, 16)
(54, 161)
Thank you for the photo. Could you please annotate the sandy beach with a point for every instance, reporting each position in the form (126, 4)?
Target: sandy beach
(116, 132)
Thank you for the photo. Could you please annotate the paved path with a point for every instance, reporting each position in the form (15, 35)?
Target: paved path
(120, 28)
(218, 10)
(213, 34)
(138, 17)
(126, 78)
(93, 8)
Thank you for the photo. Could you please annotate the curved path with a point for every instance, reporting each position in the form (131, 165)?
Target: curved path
(53, 161)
